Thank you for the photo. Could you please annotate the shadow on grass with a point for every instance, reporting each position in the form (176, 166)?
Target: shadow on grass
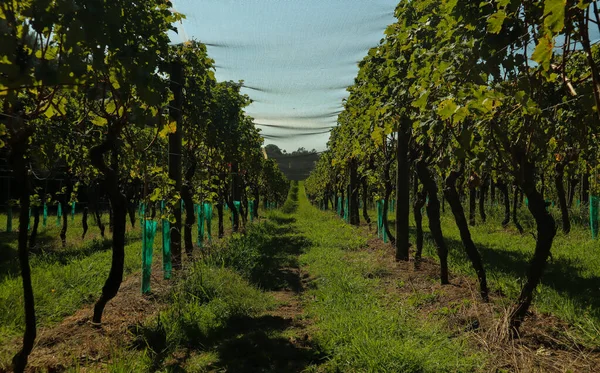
(245, 343)
(561, 274)
(48, 250)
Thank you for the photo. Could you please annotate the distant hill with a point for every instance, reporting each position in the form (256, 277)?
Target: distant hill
(296, 165)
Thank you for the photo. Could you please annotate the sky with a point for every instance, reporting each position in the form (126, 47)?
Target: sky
(296, 57)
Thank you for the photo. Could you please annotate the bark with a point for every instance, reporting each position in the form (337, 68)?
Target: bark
(365, 199)
(388, 192)
(515, 217)
(461, 222)
(174, 162)
(84, 222)
(34, 229)
(585, 188)
(482, 195)
(94, 199)
(562, 199)
(190, 218)
(420, 198)
(472, 204)
(131, 206)
(220, 212)
(119, 217)
(505, 199)
(18, 162)
(546, 230)
(572, 189)
(66, 210)
(111, 222)
(433, 214)
(402, 193)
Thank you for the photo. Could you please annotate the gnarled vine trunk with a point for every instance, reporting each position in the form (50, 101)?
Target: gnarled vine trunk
(119, 216)
(18, 162)
(515, 204)
(420, 198)
(503, 188)
(546, 230)
(402, 192)
(465, 235)
(433, 214)
(188, 202)
(365, 199)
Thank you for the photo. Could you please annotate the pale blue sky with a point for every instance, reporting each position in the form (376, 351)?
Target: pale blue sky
(300, 55)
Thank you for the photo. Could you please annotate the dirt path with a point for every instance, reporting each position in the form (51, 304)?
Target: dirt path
(75, 341)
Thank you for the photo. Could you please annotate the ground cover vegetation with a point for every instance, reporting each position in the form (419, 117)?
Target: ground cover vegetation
(466, 105)
(94, 93)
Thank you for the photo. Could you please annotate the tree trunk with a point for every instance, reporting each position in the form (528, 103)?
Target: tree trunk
(119, 217)
(175, 163)
(190, 218)
(19, 166)
(420, 198)
(433, 214)
(585, 188)
(402, 193)
(572, 189)
(461, 222)
(111, 222)
(388, 192)
(65, 207)
(482, 195)
(34, 229)
(256, 202)
(472, 204)
(503, 188)
(515, 217)
(365, 199)
(84, 222)
(562, 199)
(492, 191)
(94, 200)
(546, 230)
(220, 212)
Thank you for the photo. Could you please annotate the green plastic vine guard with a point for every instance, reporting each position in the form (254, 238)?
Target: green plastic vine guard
(594, 206)
(29, 220)
(166, 239)
(58, 214)
(208, 213)
(346, 208)
(380, 229)
(148, 234)
(339, 206)
(200, 224)
(45, 217)
(142, 213)
(236, 205)
(73, 211)
(251, 210)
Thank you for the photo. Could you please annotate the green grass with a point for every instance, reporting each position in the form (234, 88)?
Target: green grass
(570, 287)
(217, 317)
(64, 279)
(357, 325)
